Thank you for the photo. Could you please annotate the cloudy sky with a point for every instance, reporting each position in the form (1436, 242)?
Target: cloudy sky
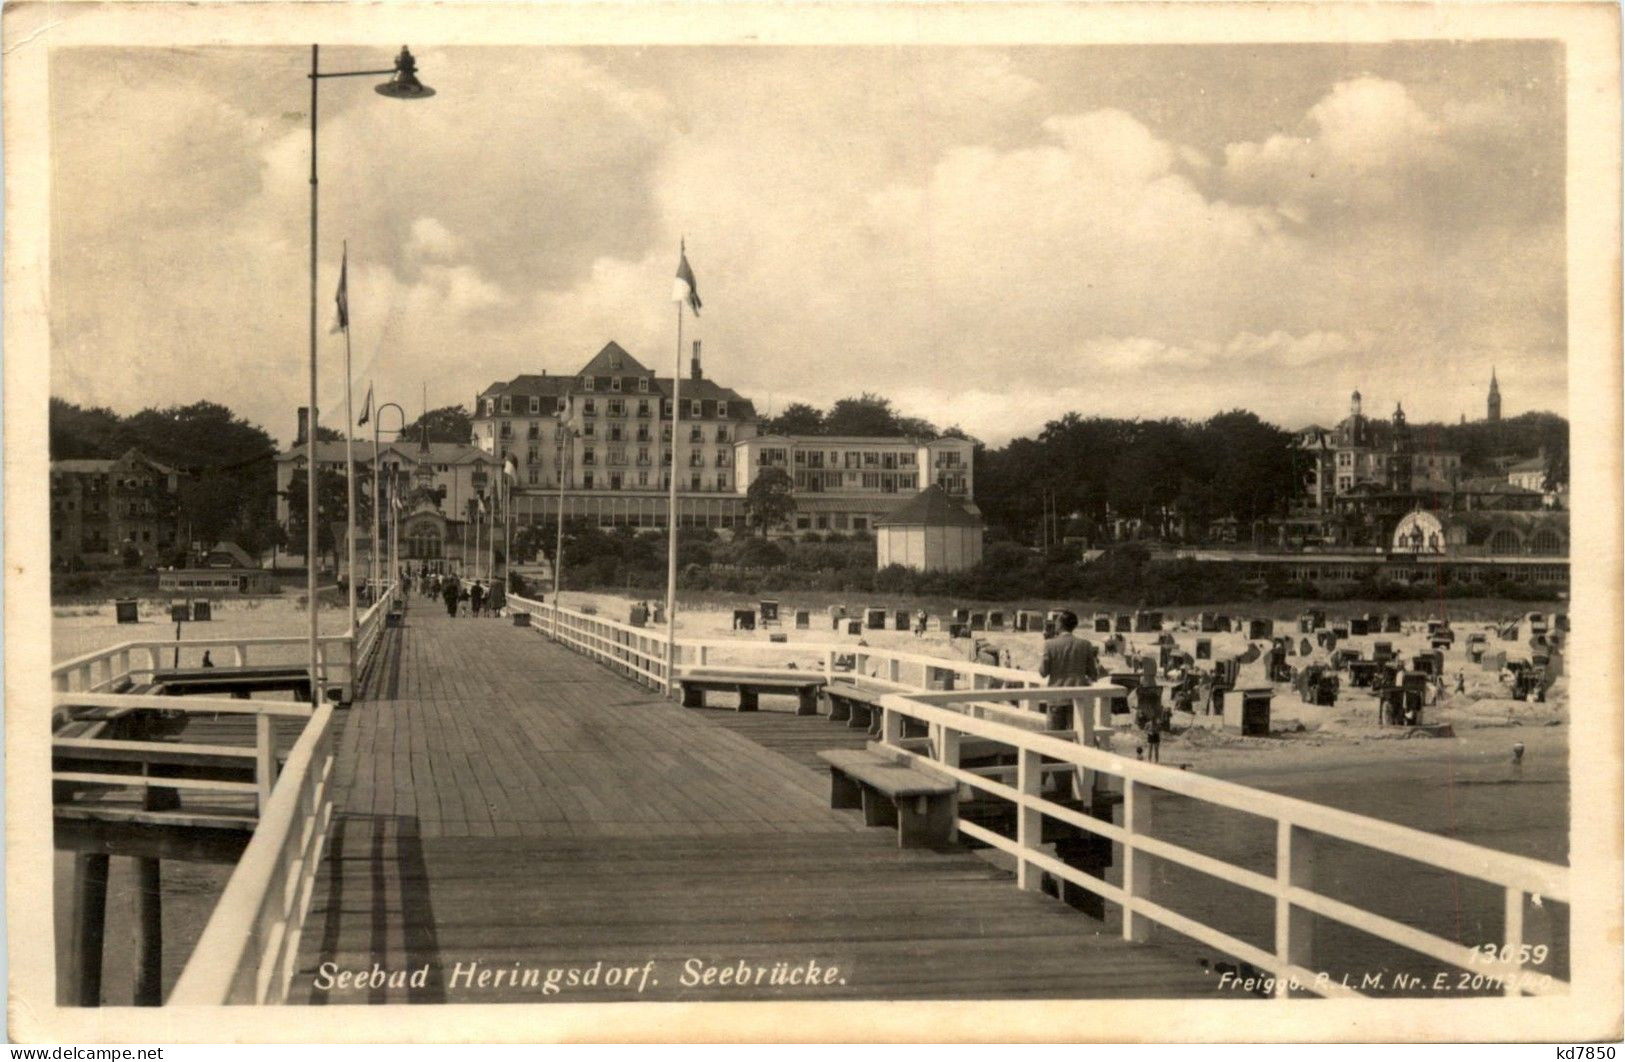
(989, 237)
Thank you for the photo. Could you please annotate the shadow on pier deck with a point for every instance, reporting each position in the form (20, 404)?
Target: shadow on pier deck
(506, 806)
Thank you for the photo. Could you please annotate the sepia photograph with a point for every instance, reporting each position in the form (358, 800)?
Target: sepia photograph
(1075, 520)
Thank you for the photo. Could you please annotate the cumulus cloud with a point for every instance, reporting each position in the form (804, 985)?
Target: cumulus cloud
(923, 223)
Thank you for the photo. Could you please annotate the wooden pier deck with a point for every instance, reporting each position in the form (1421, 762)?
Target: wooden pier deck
(506, 806)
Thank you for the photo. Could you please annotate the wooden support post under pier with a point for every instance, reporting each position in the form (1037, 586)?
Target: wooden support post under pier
(89, 928)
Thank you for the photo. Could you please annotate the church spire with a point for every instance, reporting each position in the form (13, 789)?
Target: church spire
(1493, 406)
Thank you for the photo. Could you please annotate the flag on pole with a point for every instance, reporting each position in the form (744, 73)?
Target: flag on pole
(684, 289)
(366, 408)
(343, 296)
(510, 468)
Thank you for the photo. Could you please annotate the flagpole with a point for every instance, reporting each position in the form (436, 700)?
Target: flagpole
(566, 447)
(377, 494)
(311, 468)
(671, 546)
(349, 472)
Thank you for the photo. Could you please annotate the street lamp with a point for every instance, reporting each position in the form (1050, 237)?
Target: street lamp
(402, 84)
(564, 435)
(378, 486)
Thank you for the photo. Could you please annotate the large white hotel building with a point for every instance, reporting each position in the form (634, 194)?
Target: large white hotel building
(613, 462)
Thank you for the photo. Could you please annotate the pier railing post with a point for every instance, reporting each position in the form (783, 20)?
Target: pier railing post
(264, 759)
(1512, 941)
(1136, 865)
(1294, 926)
(1029, 820)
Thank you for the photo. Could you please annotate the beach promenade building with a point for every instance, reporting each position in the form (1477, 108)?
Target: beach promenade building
(115, 511)
(847, 483)
(437, 481)
(614, 461)
(599, 441)
(933, 531)
(1362, 454)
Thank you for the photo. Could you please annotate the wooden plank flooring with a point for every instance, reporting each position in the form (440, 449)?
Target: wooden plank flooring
(510, 808)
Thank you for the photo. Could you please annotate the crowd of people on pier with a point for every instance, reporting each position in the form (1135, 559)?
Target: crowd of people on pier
(462, 597)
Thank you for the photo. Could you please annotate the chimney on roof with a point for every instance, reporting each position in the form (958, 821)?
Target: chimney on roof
(694, 365)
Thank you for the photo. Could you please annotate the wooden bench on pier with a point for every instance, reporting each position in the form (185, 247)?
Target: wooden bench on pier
(750, 685)
(237, 681)
(857, 705)
(921, 803)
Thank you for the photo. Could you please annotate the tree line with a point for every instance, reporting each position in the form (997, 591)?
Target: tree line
(228, 466)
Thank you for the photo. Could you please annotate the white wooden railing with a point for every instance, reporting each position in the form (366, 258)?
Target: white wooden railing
(262, 756)
(249, 947)
(959, 699)
(640, 653)
(1300, 826)
(120, 666)
(247, 951)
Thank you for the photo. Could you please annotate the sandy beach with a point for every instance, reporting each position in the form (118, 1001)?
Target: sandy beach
(1484, 717)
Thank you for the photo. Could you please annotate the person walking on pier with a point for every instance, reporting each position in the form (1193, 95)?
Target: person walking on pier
(449, 591)
(476, 598)
(1068, 661)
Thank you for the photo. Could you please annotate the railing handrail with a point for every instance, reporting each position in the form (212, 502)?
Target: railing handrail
(1407, 842)
(290, 810)
(217, 958)
(1298, 822)
(135, 644)
(944, 663)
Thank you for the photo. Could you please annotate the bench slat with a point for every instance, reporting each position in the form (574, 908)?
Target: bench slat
(896, 781)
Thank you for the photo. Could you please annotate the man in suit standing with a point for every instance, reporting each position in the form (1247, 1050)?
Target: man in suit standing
(1068, 661)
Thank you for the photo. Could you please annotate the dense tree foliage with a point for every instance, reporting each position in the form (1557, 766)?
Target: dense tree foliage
(867, 414)
(448, 424)
(331, 501)
(769, 501)
(1163, 473)
(228, 473)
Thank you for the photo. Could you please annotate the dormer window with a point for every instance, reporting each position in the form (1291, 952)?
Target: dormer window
(490, 407)
(535, 405)
(587, 383)
(643, 384)
(507, 404)
(615, 382)
(722, 409)
(694, 408)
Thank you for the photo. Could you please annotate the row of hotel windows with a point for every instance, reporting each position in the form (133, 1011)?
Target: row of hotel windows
(819, 482)
(773, 455)
(853, 459)
(589, 430)
(644, 481)
(616, 455)
(94, 507)
(97, 543)
(615, 407)
(831, 522)
(99, 483)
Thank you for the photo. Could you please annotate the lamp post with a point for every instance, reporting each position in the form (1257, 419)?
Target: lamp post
(395, 525)
(565, 435)
(378, 487)
(403, 84)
